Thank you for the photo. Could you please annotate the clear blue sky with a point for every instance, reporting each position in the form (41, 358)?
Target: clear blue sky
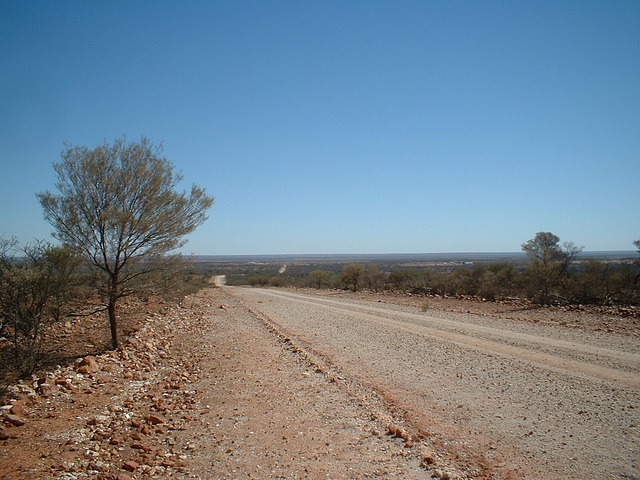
(341, 127)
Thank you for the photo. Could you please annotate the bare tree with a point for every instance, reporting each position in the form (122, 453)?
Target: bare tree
(118, 207)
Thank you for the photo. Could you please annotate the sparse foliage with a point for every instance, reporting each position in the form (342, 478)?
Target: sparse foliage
(498, 281)
(261, 281)
(118, 207)
(549, 263)
(374, 278)
(353, 275)
(320, 278)
(604, 283)
(399, 279)
(36, 289)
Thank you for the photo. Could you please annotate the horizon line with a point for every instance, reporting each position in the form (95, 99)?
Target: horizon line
(398, 254)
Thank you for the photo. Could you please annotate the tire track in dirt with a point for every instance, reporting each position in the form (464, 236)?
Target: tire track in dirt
(465, 336)
(530, 400)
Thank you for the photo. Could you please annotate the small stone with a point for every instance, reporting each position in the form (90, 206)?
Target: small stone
(428, 457)
(398, 432)
(28, 396)
(98, 466)
(90, 363)
(140, 446)
(124, 476)
(14, 420)
(64, 383)
(84, 370)
(17, 407)
(131, 465)
(155, 419)
(3, 434)
(45, 388)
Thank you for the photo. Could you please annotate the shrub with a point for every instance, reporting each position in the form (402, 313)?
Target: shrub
(35, 291)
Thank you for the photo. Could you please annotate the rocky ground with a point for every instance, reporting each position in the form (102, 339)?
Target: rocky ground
(109, 415)
(206, 389)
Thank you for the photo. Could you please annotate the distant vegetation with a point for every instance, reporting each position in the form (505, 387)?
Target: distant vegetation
(548, 273)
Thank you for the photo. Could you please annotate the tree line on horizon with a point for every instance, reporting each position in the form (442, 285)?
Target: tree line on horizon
(553, 274)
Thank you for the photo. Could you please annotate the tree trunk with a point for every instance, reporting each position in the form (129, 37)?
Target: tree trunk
(111, 311)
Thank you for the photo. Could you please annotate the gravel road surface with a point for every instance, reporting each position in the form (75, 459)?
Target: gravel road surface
(526, 400)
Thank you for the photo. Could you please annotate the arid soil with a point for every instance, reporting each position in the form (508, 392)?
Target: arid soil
(219, 388)
(518, 399)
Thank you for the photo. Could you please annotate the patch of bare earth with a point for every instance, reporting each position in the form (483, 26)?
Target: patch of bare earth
(209, 389)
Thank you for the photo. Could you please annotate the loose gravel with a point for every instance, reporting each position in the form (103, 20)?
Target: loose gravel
(521, 399)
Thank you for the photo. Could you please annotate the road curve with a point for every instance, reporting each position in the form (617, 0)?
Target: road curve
(523, 397)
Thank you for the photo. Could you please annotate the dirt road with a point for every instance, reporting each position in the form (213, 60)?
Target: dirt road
(269, 383)
(522, 399)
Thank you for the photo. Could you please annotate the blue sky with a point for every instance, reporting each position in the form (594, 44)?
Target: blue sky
(341, 127)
